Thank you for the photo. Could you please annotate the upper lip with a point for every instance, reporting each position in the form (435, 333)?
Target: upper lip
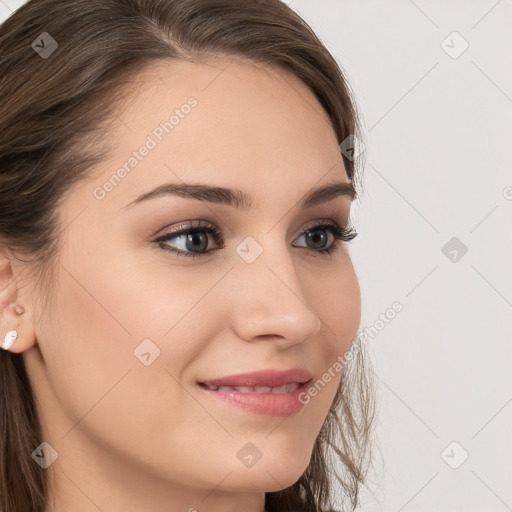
(269, 377)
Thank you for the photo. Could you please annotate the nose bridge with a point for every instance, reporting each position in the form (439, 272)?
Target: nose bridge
(269, 300)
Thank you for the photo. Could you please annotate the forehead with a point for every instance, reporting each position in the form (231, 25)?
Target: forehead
(226, 122)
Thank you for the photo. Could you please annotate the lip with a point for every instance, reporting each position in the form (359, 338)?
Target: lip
(266, 404)
(269, 377)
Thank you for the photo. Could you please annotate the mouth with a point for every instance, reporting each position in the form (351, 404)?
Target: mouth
(278, 390)
(269, 393)
(272, 378)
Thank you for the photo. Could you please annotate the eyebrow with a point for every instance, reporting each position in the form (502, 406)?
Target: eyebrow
(238, 198)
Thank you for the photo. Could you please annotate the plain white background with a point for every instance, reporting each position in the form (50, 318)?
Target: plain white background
(437, 107)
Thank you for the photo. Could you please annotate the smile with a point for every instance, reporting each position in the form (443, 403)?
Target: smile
(261, 400)
(278, 390)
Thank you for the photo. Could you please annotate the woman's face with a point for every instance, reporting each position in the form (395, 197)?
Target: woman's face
(117, 363)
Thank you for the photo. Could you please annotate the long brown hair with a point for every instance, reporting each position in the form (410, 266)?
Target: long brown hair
(54, 111)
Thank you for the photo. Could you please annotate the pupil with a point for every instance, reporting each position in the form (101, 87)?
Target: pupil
(313, 237)
(194, 238)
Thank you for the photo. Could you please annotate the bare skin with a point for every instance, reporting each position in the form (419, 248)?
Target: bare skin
(132, 437)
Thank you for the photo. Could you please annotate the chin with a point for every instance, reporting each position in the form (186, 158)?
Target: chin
(275, 474)
(261, 481)
(286, 475)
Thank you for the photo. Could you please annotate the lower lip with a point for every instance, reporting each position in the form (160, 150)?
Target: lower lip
(266, 404)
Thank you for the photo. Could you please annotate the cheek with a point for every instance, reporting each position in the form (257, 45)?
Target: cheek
(104, 314)
(337, 301)
(101, 386)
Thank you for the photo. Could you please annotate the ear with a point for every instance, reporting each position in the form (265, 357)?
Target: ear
(13, 314)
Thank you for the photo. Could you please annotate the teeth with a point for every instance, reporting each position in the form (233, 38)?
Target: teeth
(280, 390)
(285, 388)
(245, 389)
(262, 389)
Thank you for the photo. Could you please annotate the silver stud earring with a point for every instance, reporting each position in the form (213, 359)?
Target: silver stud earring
(10, 338)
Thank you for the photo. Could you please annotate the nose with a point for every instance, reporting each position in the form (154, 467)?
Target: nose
(269, 302)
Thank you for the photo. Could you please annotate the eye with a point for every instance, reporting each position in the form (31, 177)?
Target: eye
(190, 239)
(193, 240)
(318, 236)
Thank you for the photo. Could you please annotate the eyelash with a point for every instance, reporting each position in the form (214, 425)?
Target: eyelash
(340, 233)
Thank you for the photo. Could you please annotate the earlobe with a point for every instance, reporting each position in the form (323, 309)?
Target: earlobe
(12, 335)
(9, 314)
(16, 329)
(16, 335)
(9, 339)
